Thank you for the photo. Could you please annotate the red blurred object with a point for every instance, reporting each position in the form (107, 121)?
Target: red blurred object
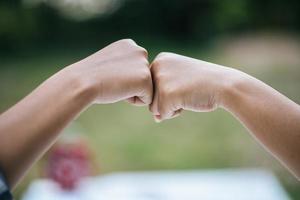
(68, 163)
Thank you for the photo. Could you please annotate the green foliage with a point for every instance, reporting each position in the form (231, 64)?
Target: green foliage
(183, 21)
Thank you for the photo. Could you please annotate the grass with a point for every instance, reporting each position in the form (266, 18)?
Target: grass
(126, 138)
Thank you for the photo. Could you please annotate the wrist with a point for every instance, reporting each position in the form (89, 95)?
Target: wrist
(82, 89)
(231, 88)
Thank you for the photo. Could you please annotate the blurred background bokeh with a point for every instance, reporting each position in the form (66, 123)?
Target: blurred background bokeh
(39, 37)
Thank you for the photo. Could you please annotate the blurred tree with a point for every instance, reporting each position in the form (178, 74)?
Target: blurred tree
(23, 25)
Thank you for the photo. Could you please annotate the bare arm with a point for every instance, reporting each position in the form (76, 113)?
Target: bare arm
(118, 72)
(272, 118)
(190, 84)
(29, 127)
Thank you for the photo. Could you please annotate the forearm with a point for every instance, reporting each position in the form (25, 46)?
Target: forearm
(32, 125)
(271, 117)
(117, 72)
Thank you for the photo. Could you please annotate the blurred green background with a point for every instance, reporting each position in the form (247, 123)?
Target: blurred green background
(39, 37)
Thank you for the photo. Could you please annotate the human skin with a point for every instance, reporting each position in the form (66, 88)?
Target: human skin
(183, 83)
(118, 72)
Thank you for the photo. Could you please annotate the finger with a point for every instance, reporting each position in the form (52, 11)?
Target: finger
(147, 94)
(155, 85)
(145, 54)
(163, 109)
(176, 113)
(167, 115)
(135, 101)
(145, 86)
(153, 107)
(159, 106)
(168, 106)
(142, 99)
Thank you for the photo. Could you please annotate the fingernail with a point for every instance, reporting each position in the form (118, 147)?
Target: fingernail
(157, 118)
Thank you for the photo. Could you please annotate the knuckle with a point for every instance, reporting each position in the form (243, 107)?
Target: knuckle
(163, 55)
(144, 62)
(127, 42)
(161, 78)
(157, 76)
(162, 59)
(166, 91)
(143, 51)
(159, 72)
(145, 76)
(155, 65)
(140, 51)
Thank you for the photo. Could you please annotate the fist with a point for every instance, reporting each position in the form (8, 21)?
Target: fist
(183, 83)
(117, 72)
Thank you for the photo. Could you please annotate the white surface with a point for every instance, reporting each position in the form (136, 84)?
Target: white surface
(167, 185)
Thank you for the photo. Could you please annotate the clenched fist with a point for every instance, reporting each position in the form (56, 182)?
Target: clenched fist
(120, 71)
(183, 83)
